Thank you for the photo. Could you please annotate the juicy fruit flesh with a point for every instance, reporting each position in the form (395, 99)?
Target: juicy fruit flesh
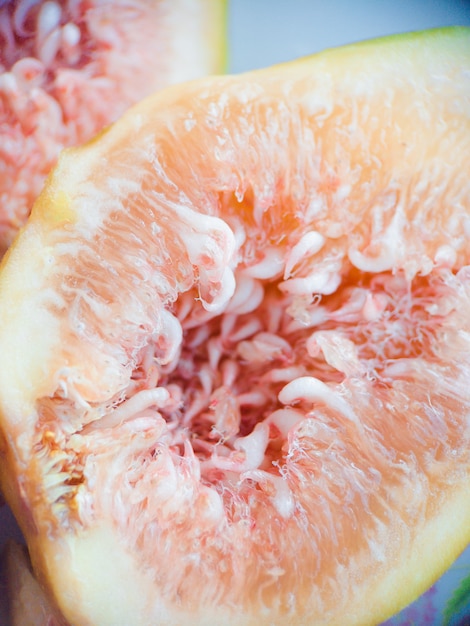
(67, 69)
(45, 48)
(240, 413)
(232, 372)
(252, 419)
(243, 431)
(283, 347)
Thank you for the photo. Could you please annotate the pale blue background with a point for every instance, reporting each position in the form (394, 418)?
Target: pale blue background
(264, 32)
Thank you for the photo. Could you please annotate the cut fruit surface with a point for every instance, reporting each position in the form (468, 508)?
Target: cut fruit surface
(237, 346)
(67, 69)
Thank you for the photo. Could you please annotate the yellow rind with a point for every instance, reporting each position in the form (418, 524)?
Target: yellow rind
(217, 34)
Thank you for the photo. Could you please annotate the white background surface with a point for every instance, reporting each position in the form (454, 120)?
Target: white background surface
(264, 32)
